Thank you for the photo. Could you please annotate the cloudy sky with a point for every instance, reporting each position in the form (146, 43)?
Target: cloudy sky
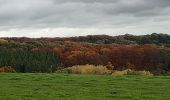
(61, 18)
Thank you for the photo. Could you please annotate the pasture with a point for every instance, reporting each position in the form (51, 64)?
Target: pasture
(38, 86)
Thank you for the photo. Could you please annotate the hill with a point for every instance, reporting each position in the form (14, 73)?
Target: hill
(147, 52)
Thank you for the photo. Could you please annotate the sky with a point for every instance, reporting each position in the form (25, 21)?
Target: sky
(66, 18)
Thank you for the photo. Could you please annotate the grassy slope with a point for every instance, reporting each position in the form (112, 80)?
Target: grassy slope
(82, 87)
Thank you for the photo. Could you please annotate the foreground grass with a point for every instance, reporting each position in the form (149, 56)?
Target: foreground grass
(19, 86)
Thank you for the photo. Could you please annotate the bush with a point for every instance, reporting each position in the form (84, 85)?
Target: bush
(87, 69)
(3, 41)
(124, 72)
(132, 72)
(7, 69)
(144, 73)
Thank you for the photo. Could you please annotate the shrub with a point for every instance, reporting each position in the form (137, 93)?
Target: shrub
(123, 72)
(144, 73)
(3, 41)
(7, 69)
(88, 69)
(132, 72)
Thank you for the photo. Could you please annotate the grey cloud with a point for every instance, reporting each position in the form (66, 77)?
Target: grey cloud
(85, 1)
(81, 13)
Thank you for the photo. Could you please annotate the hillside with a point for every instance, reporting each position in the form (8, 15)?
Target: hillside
(154, 38)
(147, 52)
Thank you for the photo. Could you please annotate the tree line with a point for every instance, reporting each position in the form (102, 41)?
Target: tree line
(52, 54)
(23, 60)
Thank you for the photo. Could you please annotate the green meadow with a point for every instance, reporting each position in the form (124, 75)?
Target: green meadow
(38, 86)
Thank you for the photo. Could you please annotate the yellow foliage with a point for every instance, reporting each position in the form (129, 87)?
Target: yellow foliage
(124, 72)
(3, 41)
(132, 72)
(88, 69)
(144, 73)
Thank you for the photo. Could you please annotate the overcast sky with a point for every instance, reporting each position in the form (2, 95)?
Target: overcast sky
(61, 18)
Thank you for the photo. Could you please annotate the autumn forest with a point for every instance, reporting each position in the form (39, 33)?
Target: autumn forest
(145, 52)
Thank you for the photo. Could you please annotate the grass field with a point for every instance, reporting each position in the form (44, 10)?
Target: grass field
(17, 86)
